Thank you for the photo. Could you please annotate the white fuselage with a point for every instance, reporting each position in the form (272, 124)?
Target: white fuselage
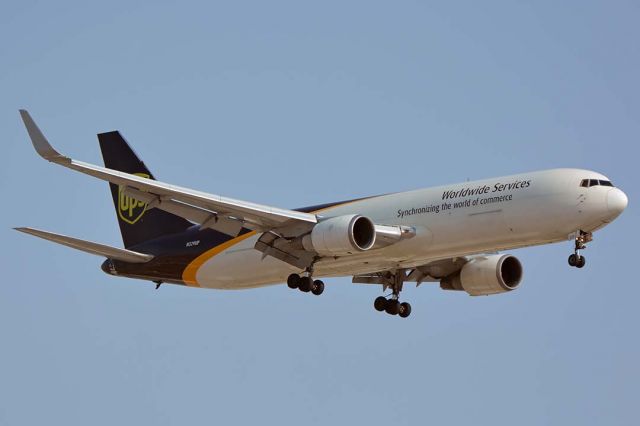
(450, 221)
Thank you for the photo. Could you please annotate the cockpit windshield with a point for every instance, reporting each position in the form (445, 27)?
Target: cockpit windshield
(587, 183)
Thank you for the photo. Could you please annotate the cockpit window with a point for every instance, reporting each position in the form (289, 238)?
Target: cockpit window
(587, 183)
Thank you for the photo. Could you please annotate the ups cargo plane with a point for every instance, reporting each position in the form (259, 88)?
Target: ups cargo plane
(449, 234)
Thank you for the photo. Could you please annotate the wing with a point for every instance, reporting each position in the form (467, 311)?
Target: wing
(430, 272)
(215, 211)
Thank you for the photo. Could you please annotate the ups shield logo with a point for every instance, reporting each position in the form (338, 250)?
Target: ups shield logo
(130, 210)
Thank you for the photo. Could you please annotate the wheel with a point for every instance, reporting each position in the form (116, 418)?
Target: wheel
(293, 280)
(317, 288)
(393, 306)
(573, 260)
(305, 284)
(380, 303)
(405, 310)
(581, 262)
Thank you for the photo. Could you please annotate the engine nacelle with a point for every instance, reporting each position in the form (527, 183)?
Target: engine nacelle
(341, 235)
(485, 275)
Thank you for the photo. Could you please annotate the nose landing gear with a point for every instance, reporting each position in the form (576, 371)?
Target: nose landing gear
(576, 259)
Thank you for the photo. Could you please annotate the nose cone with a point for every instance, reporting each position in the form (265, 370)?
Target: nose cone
(616, 201)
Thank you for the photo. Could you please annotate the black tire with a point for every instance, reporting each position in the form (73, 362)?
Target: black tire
(317, 288)
(405, 310)
(581, 262)
(573, 260)
(305, 284)
(380, 303)
(293, 280)
(393, 306)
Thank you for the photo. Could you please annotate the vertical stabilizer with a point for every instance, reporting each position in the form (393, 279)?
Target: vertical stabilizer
(137, 224)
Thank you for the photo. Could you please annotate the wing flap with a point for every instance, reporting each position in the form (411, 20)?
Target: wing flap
(89, 246)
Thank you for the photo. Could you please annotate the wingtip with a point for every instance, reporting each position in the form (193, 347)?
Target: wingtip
(26, 117)
(39, 141)
(22, 229)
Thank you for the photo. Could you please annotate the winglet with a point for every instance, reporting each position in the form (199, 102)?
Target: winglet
(40, 143)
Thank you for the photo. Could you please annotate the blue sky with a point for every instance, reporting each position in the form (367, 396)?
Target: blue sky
(299, 103)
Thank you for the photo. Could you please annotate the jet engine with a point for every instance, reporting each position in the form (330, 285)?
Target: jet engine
(485, 275)
(341, 235)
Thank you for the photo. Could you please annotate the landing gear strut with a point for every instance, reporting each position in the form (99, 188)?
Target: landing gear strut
(392, 306)
(576, 259)
(305, 284)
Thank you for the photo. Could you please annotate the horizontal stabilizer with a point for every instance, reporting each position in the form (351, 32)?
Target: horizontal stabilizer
(90, 247)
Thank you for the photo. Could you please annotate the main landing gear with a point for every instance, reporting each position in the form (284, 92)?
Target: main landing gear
(576, 259)
(305, 284)
(392, 305)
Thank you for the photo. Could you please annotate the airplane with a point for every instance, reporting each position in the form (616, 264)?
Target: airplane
(451, 234)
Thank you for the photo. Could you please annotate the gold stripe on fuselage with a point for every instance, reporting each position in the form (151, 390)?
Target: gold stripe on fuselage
(189, 274)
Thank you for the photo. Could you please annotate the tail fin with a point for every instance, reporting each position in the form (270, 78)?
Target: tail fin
(137, 224)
